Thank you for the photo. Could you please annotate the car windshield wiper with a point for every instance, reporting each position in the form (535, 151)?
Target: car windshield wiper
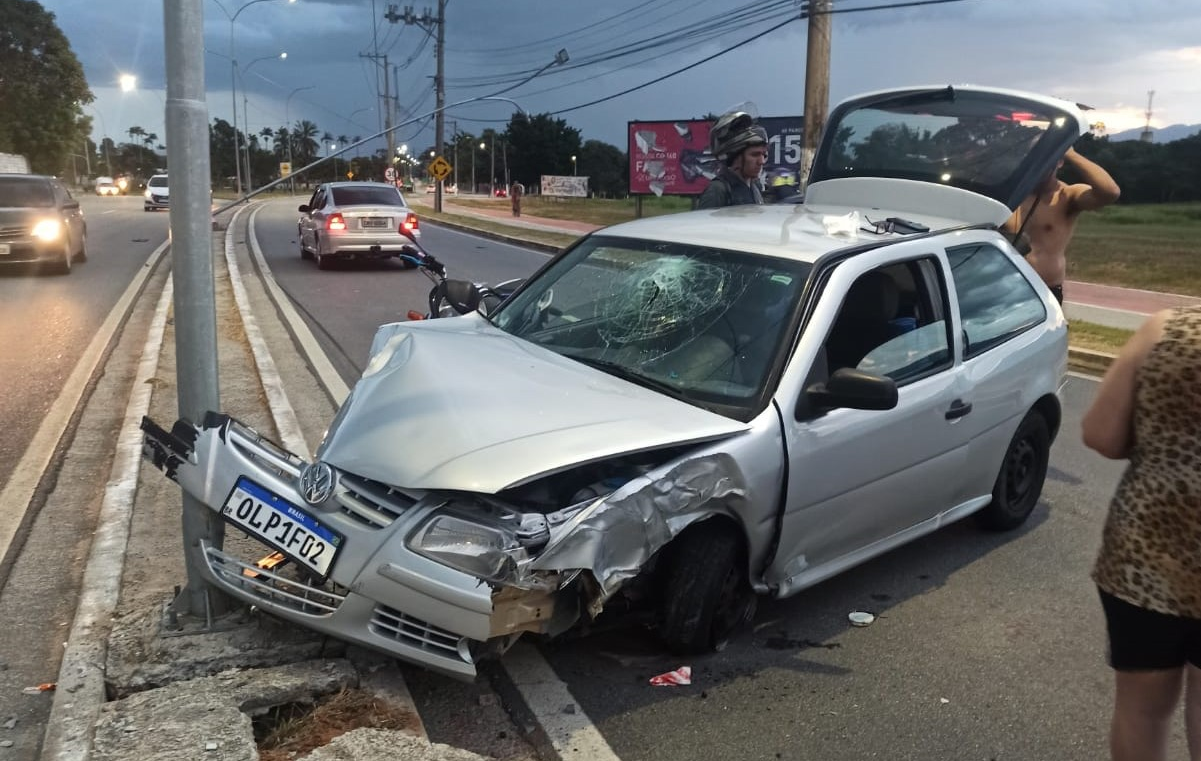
(625, 373)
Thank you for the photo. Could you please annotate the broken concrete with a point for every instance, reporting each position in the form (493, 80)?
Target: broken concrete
(210, 717)
(381, 745)
(145, 652)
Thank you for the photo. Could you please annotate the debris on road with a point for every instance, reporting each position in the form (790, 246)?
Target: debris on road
(861, 618)
(43, 687)
(682, 675)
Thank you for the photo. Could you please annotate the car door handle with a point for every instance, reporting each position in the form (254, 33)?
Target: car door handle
(959, 408)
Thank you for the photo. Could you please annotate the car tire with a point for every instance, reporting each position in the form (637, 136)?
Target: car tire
(706, 596)
(304, 252)
(62, 265)
(1020, 481)
(82, 254)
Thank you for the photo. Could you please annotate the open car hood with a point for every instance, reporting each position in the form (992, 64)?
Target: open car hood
(972, 154)
(458, 404)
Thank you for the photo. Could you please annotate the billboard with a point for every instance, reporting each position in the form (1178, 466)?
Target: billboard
(672, 157)
(569, 187)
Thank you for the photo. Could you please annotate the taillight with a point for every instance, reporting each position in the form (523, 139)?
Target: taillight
(415, 315)
(335, 222)
(410, 223)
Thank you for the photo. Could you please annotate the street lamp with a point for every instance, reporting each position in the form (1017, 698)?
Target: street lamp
(474, 188)
(333, 147)
(246, 110)
(288, 127)
(573, 165)
(233, 79)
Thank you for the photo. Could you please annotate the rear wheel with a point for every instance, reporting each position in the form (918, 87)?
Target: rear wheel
(1020, 482)
(706, 596)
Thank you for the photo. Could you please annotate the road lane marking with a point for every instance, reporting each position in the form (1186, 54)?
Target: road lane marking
(329, 377)
(570, 731)
(24, 479)
(80, 690)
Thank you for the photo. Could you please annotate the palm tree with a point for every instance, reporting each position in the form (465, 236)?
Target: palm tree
(281, 143)
(304, 142)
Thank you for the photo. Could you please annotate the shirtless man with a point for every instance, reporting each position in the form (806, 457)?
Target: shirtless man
(1056, 208)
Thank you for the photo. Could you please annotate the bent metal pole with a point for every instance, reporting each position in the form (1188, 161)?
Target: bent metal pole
(192, 269)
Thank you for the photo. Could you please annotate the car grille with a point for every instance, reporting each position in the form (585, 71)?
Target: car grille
(370, 502)
(158, 199)
(414, 632)
(271, 587)
(263, 451)
(8, 233)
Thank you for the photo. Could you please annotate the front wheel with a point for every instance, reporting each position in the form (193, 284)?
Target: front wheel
(1020, 482)
(706, 595)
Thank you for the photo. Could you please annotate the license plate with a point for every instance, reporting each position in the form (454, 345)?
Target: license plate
(279, 524)
(375, 223)
(5, 249)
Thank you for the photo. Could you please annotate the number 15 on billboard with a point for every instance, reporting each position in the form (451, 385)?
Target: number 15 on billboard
(789, 152)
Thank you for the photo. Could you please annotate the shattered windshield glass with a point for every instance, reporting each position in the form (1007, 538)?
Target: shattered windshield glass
(698, 323)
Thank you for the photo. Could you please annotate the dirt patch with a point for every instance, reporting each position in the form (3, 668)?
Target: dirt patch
(289, 731)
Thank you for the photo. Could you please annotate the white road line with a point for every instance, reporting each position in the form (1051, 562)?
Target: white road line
(570, 730)
(334, 385)
(273, 386)
(24, 478)
(572, 734)
(80, 690)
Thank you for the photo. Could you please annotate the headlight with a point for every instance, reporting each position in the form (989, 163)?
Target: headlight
(122, 183)
(488, 552)
(147, 193)
(48, 229)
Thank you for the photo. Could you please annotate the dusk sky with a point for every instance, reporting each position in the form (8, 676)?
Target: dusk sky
(1104, 53)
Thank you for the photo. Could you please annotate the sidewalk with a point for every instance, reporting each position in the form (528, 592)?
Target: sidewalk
(1124, 308)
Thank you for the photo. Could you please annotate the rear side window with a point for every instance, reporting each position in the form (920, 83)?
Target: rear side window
(367, 196)
(996, 301)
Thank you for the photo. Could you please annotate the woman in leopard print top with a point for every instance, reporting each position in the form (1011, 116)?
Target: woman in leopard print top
(1148, 410)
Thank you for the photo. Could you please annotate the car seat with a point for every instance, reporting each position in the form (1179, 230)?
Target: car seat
(864, 322)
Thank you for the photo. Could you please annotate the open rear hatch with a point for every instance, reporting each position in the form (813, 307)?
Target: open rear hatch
(971, 154)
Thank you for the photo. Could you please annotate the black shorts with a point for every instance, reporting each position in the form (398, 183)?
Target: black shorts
(1057, 292)
(1143, 640)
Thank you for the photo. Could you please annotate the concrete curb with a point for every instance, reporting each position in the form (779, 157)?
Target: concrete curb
(510, 239)
(1089, 362)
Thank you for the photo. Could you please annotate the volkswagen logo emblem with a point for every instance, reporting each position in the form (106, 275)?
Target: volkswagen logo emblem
(316, 482)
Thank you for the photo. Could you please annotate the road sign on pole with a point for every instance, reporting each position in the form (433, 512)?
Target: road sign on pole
(390, 174)
(285, 168)
(439, 168)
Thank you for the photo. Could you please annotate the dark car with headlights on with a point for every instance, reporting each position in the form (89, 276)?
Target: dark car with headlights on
(345, 221)
(40, 222)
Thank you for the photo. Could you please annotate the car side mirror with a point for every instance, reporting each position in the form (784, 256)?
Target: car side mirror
(853, 389)
(303, 208)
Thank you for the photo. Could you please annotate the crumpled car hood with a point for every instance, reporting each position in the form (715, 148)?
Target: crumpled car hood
(458, 404)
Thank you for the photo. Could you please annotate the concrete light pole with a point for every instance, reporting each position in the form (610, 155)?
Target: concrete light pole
(288, 127)
(233, 80)
(246, 110)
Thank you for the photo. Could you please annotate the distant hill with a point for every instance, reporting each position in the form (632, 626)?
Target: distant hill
(1160, 135)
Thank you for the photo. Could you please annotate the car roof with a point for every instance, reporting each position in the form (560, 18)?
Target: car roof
(361, 183)
(792, 231)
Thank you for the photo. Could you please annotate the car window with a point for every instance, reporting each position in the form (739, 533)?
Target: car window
(996, 301)
(702, 324)
(315, 201)
(158, 182)
(892, 322)
(25, 192)
(366, 196)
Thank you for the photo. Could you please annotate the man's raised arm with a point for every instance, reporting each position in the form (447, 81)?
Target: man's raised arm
(1098, 188)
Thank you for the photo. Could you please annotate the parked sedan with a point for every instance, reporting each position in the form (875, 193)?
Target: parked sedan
(40, 221)
(679, 413)
(346, 221)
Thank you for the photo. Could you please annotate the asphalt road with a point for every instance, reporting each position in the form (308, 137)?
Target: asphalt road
(46, 321)
(985, 646)
(47, 324)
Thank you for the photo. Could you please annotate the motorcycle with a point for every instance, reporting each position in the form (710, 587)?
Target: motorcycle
(447, 297)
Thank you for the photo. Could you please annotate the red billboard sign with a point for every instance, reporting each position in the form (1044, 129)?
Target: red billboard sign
(672, 157)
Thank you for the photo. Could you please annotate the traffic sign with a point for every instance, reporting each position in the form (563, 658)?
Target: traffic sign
(350, 175)
(285, 168)
(439, 168)
(390, 174)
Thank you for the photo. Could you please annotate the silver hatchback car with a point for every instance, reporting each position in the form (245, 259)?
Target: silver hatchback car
(681, 412)
(344, 221)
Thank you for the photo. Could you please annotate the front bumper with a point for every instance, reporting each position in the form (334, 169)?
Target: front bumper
(157, 202)
(24, 250)
(379, 594)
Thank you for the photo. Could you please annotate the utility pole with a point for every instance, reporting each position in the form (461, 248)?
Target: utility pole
(817, 81)
(435, 25)
(192, 270)
(387, 101)
(1147, 136)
